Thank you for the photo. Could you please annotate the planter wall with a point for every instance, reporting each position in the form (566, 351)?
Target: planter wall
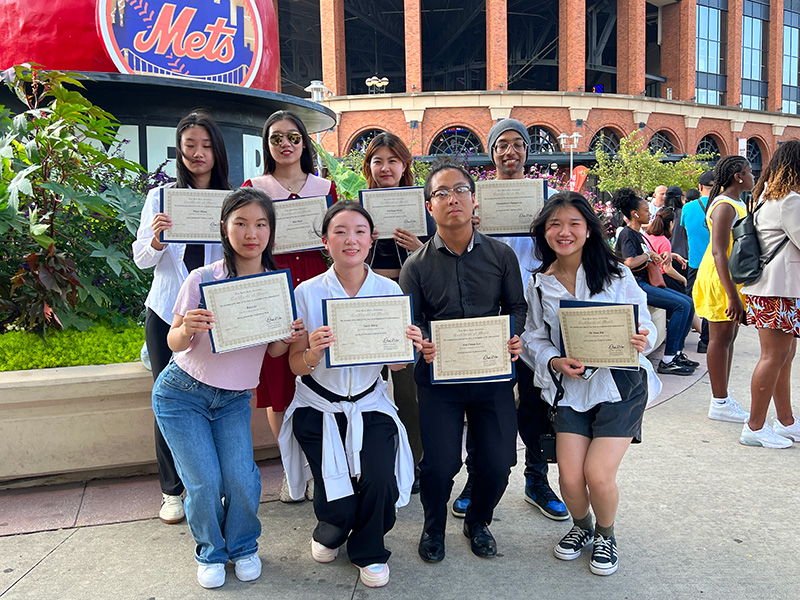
(85, 419)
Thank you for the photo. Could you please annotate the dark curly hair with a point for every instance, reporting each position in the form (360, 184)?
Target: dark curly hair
(782, 174)
(626, 200)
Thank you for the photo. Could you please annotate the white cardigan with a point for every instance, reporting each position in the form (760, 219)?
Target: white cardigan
(539, 347)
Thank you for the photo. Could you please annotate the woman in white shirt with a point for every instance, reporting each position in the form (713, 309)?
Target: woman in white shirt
(341, 420)
(202, 163)
(773, 301)
(597, 418)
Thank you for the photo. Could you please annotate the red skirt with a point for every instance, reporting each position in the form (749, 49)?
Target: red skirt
(782, 314)
(276, 384)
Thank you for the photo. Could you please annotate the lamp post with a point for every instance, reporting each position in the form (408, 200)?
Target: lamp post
(376, 85)
(573, 144)
(317, 90)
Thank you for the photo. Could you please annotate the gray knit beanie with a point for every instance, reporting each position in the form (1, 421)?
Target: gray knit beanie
(501, 127)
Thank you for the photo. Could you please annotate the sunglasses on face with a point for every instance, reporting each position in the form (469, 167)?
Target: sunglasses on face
(276, 139)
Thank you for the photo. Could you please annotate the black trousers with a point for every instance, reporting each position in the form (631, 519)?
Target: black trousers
(492, 422)
(155, 335)
(405, 398)
(361, 519)
(532, 421)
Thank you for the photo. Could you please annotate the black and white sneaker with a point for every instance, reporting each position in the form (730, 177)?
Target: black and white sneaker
(604, 555)
(674, 368)
(570, 546)
(684, 360)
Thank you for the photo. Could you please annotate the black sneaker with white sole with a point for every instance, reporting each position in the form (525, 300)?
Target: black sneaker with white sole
(604, 555)
(674, 368)
(684, 360)
(570, 546)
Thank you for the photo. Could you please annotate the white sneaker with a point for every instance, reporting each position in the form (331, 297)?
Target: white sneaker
(310, 490)
(322, 554)
(765, 437)
(171, 511)
(211, 576)
(727, 410)
(792, 431)
(376, 575)
(285, 496)
(248, 568)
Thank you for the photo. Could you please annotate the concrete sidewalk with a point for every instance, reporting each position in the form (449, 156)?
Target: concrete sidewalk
(700, 516)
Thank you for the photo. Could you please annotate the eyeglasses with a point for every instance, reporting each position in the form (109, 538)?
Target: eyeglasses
(276, 139)
(502, 147)
(461, 192)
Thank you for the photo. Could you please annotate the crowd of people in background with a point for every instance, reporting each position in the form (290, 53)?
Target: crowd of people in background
(358, 450)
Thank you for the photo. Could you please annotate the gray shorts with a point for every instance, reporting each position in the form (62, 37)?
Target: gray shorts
(610, 419)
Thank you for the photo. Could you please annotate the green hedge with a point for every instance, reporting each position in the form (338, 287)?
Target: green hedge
(99, 345)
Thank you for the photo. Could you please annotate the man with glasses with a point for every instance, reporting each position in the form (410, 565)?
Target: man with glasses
(461, 273)
(508, 146)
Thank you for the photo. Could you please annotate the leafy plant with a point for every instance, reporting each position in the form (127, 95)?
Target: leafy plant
(634, 166)
(103, 343)
(348, 182)
(69, 206)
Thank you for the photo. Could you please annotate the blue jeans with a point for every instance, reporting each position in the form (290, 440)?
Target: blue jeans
(680, 310)
(208, 432)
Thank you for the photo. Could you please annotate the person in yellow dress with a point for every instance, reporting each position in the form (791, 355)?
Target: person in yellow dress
(716, 297)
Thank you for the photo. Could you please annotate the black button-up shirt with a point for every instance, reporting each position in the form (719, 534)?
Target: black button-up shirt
(484, 281)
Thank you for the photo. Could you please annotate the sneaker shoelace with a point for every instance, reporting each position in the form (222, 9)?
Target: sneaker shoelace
(603, 549)
(576, 538)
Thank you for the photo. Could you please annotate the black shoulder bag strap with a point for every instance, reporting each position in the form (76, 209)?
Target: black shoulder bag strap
(557, 380)
(765, 261)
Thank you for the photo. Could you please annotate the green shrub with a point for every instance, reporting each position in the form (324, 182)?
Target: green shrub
(99, 345)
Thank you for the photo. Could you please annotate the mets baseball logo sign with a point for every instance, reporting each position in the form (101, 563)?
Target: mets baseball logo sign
(210, 40)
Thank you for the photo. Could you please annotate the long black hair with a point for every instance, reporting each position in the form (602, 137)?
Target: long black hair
(724, 172)
(234, 201)
(219, 173)
(308, 156)
(600, 264)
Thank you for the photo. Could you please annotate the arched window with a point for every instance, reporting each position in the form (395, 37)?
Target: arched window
(708, 145)
(456, 140)
(754, 156)
(605, 140)
(661, 141)
(543, 141)
(362, 141)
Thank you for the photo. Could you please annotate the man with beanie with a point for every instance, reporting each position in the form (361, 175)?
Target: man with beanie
(508, 148)
(693, 219)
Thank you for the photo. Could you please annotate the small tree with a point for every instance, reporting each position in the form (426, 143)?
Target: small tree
(634, 166)
(68, 207)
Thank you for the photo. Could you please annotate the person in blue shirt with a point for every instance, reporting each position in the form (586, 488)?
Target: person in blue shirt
(693, 219)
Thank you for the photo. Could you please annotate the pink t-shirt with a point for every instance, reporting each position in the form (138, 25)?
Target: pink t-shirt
(659, 243)
(234, 370)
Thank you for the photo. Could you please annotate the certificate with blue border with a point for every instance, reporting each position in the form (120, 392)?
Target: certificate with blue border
(249, 311)
(598, 334)
(396, 208)
(472, 350)
(508, 207)
(195, 215)
(298, 223)
(369, 330)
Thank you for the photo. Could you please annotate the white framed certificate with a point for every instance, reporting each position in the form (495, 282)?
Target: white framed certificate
(396, 208)
(472, 350)
(369, 330)
(598, 334)
(509, 206)
(298, 223)
(195, 215)
(249, 311)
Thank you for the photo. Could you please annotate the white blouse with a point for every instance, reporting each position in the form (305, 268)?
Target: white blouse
(539, 347)
(341, 462)
(170, 270)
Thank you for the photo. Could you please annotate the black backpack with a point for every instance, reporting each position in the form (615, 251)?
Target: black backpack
(746, 263)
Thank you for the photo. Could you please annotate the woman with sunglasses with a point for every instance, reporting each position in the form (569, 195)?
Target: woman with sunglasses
(288, 173)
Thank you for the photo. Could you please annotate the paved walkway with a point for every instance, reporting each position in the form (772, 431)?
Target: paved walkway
(700, 517)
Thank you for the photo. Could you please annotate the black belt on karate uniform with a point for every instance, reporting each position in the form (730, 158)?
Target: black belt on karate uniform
(318, 389)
